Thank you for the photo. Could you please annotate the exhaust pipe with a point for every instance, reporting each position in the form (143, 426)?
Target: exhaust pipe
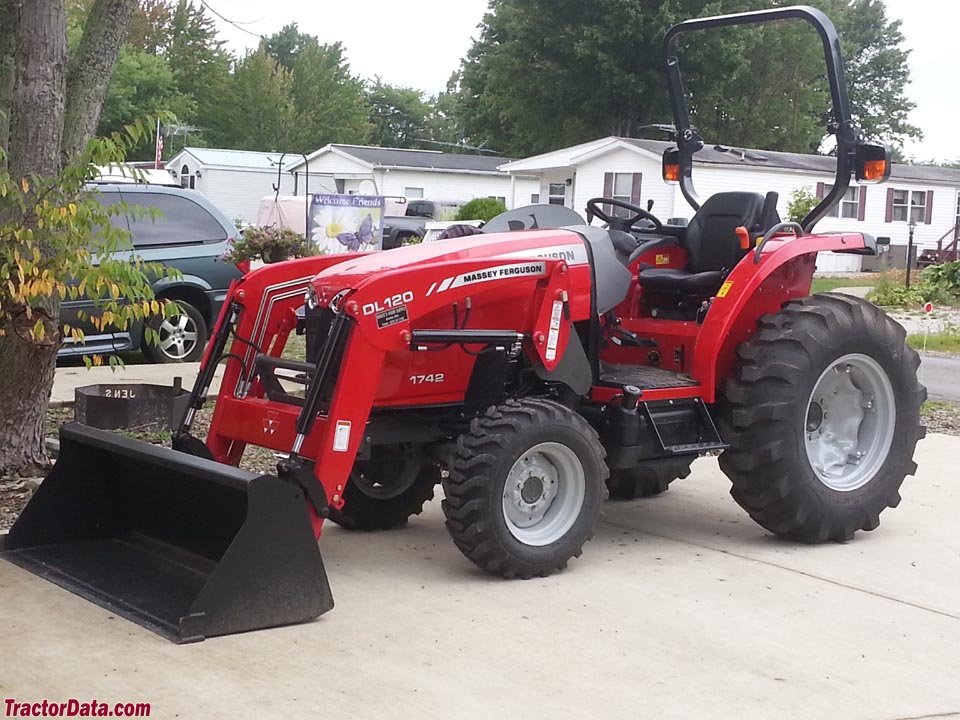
(184, 546)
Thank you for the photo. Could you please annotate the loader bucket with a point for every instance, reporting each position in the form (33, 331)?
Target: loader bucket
(184, 546)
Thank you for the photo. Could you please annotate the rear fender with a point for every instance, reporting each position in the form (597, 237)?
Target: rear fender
(754, 289)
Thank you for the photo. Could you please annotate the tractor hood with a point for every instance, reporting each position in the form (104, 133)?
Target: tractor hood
(579, 247)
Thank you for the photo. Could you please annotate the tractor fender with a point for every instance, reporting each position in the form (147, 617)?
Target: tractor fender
(757, 286)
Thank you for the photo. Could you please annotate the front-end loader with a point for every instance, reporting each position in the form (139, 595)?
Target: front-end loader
(530, 372)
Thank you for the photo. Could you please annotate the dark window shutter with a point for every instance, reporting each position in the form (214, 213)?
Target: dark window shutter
(889, 217)
(635, 188)
(929, 209)
(608, 184)
(821, 191)
(862, 207)
(607, 190)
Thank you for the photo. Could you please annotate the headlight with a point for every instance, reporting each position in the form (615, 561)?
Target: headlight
(310, 298)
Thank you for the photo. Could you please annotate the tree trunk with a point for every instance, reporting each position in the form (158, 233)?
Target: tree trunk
(8, 47)
(89, 75)
(51, 119)
(36, 131)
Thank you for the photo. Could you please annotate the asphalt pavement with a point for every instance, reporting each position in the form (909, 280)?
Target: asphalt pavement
(941, 375)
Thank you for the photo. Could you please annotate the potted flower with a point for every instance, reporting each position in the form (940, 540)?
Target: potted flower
(268, 244)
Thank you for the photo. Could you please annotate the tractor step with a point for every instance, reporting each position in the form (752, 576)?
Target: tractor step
(707, 436)
(643, 377)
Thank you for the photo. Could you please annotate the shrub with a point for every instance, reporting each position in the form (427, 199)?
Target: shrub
(891, 290)
(481, 209)
(945, 276)
(802, 201)
(268, 244)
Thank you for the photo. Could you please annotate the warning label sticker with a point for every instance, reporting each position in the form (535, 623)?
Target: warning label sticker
(724, 289)
(341, 436)
(663, 259)
(386, 318)
(554, 336)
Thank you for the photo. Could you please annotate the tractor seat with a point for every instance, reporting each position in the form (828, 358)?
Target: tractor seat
(712, 245)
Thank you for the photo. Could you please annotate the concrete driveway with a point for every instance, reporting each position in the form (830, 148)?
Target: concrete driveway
(941, 375)
(680, 608)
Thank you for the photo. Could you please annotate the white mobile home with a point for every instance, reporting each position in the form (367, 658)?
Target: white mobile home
(630, 169)
(235, 180)
(413, 174)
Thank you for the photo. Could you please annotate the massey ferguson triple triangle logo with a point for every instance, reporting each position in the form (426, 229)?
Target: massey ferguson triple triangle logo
(271, 423)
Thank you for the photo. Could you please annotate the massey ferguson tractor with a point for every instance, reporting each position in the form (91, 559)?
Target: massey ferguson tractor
(530, 370)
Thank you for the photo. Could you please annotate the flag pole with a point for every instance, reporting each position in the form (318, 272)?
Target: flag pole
(156, 162)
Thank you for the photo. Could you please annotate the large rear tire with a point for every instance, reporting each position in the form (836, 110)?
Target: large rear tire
(646, 480)
(822, 416)
(525, 487)
(386, 490)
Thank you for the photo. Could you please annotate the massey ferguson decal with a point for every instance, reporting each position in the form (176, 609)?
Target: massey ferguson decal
(572, 253)
(498, 272)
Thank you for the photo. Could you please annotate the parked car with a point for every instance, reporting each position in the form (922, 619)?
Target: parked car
(190, 235)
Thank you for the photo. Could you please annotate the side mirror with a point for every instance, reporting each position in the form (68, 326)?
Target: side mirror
(671, 165)
(873, 163)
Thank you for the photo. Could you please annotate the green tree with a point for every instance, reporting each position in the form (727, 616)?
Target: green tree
(260, 96)
(143, 84)
(284, 46)
(877, 69)
(201, 68)
(328, 100)
(548, 73)
(399, 117)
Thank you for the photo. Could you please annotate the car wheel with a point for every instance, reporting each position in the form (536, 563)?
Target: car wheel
(182, 337)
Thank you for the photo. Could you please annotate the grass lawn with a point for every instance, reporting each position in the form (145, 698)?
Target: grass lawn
(832, 283)
(947, 342)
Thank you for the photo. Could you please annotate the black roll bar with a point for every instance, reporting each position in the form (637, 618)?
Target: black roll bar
(841, 125)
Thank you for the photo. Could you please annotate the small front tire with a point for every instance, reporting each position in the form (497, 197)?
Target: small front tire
(525, 488)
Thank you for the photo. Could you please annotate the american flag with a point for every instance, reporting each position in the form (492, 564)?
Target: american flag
(159, 157)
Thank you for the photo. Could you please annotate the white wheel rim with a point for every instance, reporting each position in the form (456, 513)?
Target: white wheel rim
(178, 336)
(543, 494)
(849, 423)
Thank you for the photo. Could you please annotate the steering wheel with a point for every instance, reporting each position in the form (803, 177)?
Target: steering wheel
(622, 223)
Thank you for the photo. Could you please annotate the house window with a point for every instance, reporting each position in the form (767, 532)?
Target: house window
(413, 192)
(557, 193)
(535, 200)
(501, 198)
(623, 191)
(849, 205)
(909, 205)
(958, 210)
(187, 180)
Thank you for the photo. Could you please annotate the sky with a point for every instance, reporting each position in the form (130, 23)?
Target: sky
(419, 43)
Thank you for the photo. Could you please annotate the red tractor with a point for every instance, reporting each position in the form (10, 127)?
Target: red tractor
(528, 372)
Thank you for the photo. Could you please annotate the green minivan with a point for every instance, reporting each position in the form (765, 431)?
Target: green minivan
(189, 234)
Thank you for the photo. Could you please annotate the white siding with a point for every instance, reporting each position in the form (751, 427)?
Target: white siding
(669, 202)
(238, 192)
(449, 187)
(457, 187)
(590, 177)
